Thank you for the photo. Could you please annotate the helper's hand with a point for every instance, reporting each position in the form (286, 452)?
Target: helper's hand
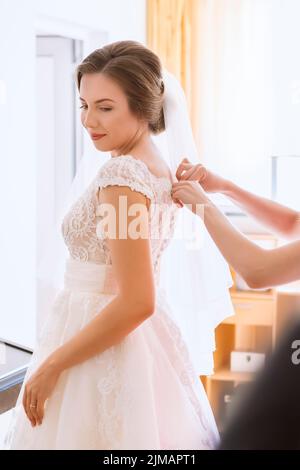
(209, 181)
(191, 194)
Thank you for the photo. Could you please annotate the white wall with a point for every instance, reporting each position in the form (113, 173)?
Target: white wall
(122, 19)
(285, 80)
(112, 20)
(249, 87)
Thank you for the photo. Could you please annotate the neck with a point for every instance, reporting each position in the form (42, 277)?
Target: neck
(140, 149)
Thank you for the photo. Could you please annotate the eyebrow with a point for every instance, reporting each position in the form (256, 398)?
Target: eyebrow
(98, 101)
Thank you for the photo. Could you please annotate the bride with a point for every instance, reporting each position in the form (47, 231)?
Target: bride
(111, 369)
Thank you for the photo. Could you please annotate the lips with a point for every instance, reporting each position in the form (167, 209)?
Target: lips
(97, 136)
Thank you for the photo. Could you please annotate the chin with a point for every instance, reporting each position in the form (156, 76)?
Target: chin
(103, 147)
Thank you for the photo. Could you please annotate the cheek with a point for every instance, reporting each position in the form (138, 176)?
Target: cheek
(121, 126)
(109, 121)
(130, 124)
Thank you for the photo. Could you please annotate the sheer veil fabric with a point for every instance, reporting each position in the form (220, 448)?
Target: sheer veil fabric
(194, 274)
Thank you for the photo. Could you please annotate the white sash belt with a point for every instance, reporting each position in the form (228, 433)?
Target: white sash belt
(89, 277)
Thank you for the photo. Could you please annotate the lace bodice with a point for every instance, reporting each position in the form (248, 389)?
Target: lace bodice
(79, 226)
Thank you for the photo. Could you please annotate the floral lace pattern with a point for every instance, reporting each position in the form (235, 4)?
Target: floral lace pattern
(79, 227)
(186, 371)
(111, 377)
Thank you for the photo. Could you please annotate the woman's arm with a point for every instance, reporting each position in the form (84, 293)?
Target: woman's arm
(259, 267)
(276, 217)
(131, 260)
(134, 303)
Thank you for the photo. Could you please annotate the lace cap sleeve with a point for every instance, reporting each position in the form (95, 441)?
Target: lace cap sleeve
(126, 171)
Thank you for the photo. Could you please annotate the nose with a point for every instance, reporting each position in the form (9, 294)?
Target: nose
(89, 119)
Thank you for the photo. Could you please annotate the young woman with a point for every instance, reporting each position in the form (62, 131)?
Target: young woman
(259, 267)
(111, 369)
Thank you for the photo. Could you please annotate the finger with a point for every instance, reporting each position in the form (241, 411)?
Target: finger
(28, 409)
(201, 173)
(24, 399)
(182, 167)
(173, 191)
(196, 173)
(26, 402)
(179, 184)
(178, 202)
(188, 175)
(176, 195)
(34, 412)
(40, 410)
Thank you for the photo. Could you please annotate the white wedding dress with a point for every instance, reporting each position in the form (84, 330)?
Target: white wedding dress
(142, 393)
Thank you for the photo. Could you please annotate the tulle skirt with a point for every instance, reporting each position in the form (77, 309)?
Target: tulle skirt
(140, 394)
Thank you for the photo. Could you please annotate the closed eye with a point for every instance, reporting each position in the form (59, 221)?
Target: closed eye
(102, 109)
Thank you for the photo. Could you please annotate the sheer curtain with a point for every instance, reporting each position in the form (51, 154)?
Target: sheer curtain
(221, 52)
(233, 112)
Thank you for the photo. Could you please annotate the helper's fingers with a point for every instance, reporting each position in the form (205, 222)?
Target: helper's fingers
(176, 193)
(185, 160)
(182, 167)
(196, 173)
(200, 173)
(178, 203)
(181, 184)
(190, 175)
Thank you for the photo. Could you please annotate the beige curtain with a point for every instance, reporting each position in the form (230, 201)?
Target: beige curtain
(172, 34)
(222, 51)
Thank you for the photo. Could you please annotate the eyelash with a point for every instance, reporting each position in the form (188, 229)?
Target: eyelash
(103, 109)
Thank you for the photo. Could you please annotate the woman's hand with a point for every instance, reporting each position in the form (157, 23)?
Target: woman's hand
(38, 388)
(209, 181)
(191, 194)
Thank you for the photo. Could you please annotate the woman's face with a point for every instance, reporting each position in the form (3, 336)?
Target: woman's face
(105, 111)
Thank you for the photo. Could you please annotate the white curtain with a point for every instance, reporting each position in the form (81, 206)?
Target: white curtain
(233, 100)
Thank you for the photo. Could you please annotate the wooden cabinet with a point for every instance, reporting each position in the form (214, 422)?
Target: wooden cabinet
(259, 320)
(252, 328)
